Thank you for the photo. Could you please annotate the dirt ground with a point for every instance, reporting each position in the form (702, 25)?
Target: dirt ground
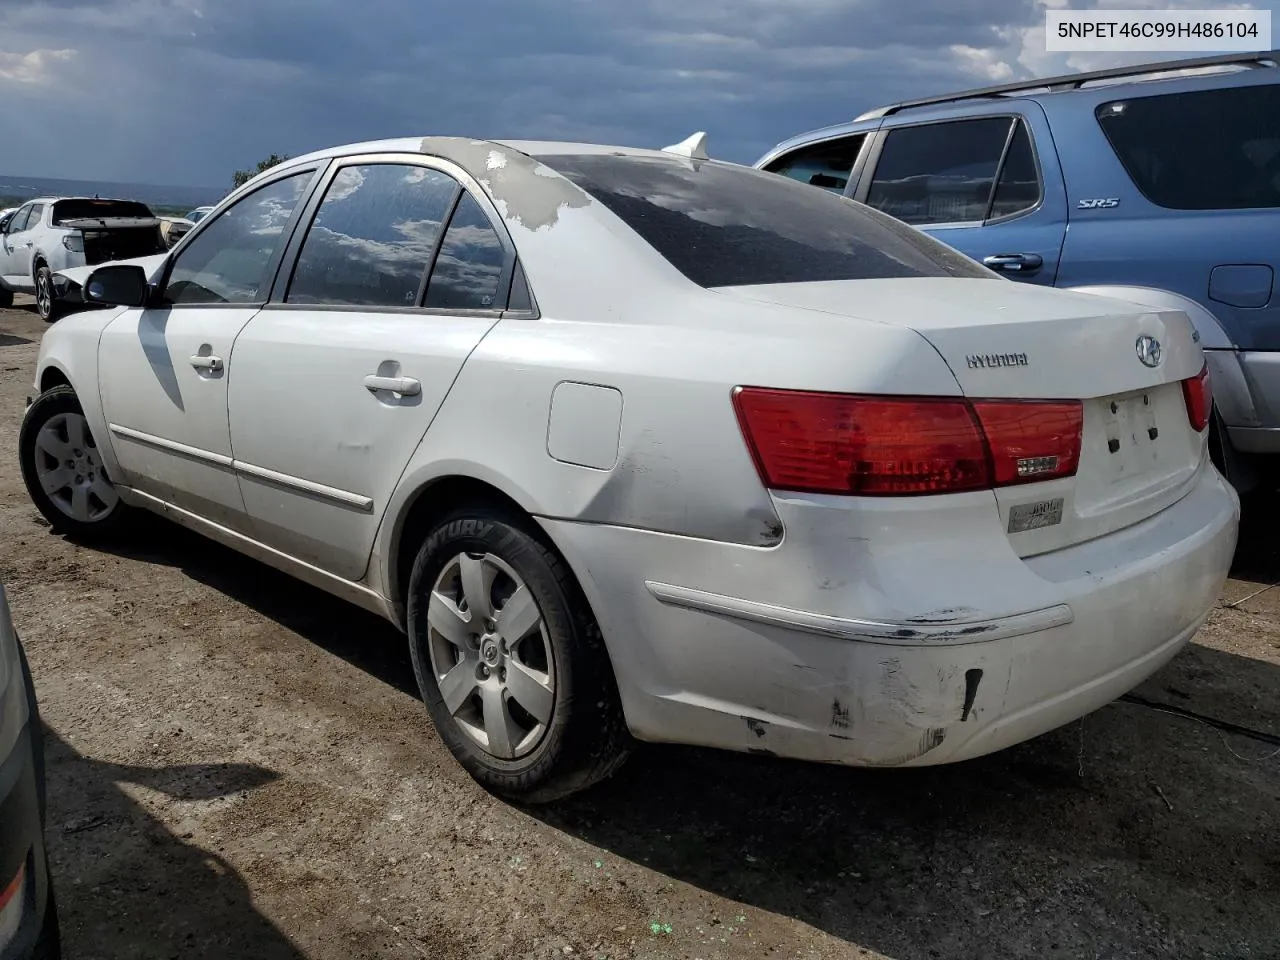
(240, 768)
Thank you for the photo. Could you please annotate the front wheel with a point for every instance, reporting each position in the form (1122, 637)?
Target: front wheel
(63, 469)
(6, 297)
(47, 304)
(510, 660)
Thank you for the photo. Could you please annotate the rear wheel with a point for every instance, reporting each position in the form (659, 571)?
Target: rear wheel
(1240, 470)
(6, 297)
(510, 660)
(47, 305)
(63, 469)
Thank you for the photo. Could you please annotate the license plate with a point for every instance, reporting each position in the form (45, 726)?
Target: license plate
(1133, 436)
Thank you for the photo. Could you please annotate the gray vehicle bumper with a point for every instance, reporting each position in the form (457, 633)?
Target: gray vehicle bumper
(1253, 421)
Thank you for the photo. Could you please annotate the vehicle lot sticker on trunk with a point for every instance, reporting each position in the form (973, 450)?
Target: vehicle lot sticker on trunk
(1033, 516)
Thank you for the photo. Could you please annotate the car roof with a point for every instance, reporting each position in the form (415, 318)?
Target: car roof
(1090, 88)
(447, 147)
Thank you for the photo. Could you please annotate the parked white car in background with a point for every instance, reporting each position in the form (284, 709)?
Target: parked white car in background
(198, 214)
(52, 233)
(634, 441)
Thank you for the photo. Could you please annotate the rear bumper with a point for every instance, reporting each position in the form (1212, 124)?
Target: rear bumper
(1260, 433)
(965, 649)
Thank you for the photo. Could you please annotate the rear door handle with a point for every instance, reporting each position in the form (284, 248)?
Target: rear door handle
(1014, 262)
(213, 364)
(405, 386)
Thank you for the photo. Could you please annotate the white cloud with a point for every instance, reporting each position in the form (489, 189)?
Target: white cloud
(35, 67)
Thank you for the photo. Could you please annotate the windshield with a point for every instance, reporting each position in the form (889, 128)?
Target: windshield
(65, 210)
(724, 225)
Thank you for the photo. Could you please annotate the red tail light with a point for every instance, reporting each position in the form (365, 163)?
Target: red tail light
(901, 446)
(1198, 393)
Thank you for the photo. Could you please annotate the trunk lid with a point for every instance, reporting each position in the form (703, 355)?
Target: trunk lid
(1139, 452)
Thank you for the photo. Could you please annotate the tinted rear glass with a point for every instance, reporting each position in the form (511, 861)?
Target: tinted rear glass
(724, 225)
(65, 210)
(1206, 150)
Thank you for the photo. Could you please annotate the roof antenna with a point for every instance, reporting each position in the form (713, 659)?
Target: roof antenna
(695, 147)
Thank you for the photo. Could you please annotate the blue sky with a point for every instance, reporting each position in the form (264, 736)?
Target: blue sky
(186, 91)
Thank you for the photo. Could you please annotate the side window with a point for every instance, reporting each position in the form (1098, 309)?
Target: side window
(373, 236)
(826, 164)
(36, 215)
(19, 221)
(229, 260)
(1018, 188)
(1200, 150)
(469, 267)
(939, 172)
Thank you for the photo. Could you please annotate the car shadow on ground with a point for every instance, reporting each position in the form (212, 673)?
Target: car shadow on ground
(126, 885)
(1123, 833)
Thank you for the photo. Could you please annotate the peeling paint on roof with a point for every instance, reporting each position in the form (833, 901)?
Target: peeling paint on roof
(526, 192)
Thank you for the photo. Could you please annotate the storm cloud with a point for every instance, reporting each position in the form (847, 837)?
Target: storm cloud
(186, 91)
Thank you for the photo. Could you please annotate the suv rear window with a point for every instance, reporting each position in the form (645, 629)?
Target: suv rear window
(1205, 150)
(724, 225)
(65, 210)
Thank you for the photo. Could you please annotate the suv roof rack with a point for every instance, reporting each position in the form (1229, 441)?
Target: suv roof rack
(1074, 81)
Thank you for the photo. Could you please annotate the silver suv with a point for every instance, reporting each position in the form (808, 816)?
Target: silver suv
(49, 234)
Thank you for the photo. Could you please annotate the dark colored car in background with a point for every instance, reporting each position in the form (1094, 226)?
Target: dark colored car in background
(28, 913)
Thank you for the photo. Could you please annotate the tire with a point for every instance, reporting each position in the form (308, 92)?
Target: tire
(6, 297)
(85, 504)
(1240, 471)
(562, 735)
(47, 304)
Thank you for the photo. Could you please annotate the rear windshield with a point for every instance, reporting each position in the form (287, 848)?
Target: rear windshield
(1206, 150)
(65, 210)
(724, 225)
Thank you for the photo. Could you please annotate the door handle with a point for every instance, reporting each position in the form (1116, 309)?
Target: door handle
(1014, 262)
(212, 364)
(27, 244)
(405, 386)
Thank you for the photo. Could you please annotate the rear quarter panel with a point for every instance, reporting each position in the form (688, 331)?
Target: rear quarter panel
(681, 464)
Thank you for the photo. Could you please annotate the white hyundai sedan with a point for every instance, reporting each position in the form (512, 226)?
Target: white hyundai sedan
(635, 443)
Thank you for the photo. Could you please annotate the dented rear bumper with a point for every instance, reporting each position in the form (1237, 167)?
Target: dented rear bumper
(905, 653)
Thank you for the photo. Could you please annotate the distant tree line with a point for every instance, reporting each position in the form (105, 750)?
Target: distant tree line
(241, 177)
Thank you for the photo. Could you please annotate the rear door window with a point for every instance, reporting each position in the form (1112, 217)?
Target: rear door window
(1203, 150)
(373, 236)
(827, 164)
(725, 225)
(940, 172)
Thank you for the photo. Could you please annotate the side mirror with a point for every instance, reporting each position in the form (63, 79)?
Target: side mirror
(4, 223)
(118, 285)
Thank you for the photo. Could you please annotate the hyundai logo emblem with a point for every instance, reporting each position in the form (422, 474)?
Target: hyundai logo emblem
(1149, 350)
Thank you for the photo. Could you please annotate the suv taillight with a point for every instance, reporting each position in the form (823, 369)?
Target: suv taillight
(1199, 396)
(903, 446)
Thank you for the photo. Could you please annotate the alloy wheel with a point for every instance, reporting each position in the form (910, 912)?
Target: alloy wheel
(69, 469)
(491, 655)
